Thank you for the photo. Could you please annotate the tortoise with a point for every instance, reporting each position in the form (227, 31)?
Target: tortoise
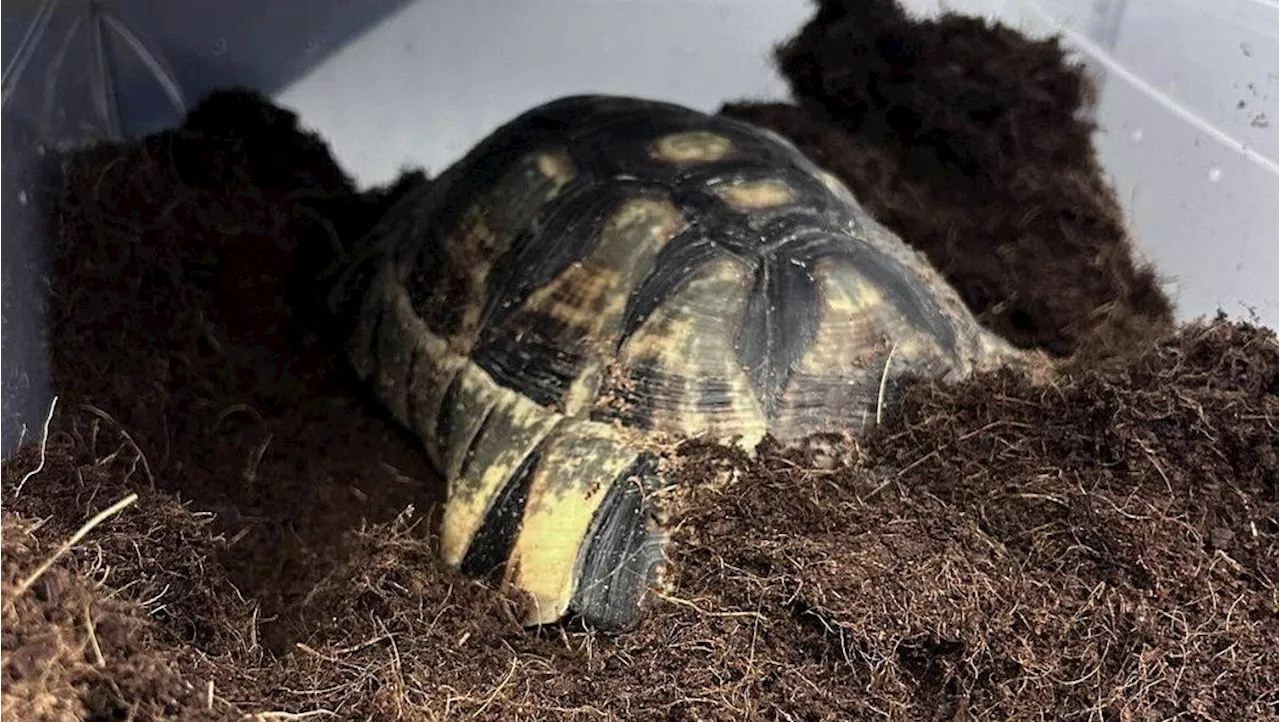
(603, 275)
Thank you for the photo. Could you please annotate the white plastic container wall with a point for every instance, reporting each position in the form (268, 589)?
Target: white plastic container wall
(1188, 109)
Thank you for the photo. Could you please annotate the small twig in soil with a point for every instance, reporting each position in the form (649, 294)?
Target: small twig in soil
(289, 715)
(884, 380)
(515, 661)
(704, 612)
(101, 516)
(98, 659)
(44, 443)
(917, 462)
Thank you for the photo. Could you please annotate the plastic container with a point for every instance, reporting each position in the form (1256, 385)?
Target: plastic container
(80, 71)
(1188, 106)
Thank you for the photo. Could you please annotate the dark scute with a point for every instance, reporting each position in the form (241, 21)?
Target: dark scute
(746, 233)
(684, 256)
(411, 406)
(432, 275)
(491, 546)
(434, 285)
(623, 554)
(476, 438)
(533, 352)
(375, 343)
(444, 417)
(715, 393)
(778, 325)
(564, 232)
(535, 362)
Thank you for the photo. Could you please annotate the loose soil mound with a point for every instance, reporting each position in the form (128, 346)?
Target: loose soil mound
(187, 314)
(1103, 546)
(974, 144)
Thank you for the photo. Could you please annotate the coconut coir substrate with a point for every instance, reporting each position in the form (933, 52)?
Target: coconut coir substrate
(1101, 547)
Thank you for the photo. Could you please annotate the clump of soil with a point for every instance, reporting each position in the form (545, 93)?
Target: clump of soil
(190, 313)
(974, 144)
(138, 620)
(1102, 546)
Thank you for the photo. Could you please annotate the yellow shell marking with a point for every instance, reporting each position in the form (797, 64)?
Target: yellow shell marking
(850, 332)
(696, 146)
(517, 425)
(582, 391)
(836, 186)
(557, 166)
(423, 393)
(579, 297)
(636, 220)
(755, 195)
(856, 328)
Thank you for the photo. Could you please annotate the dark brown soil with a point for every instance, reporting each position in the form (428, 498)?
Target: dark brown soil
(1104, 546)
(187, 315)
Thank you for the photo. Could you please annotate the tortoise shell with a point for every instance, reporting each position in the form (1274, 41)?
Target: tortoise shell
(603, 272)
